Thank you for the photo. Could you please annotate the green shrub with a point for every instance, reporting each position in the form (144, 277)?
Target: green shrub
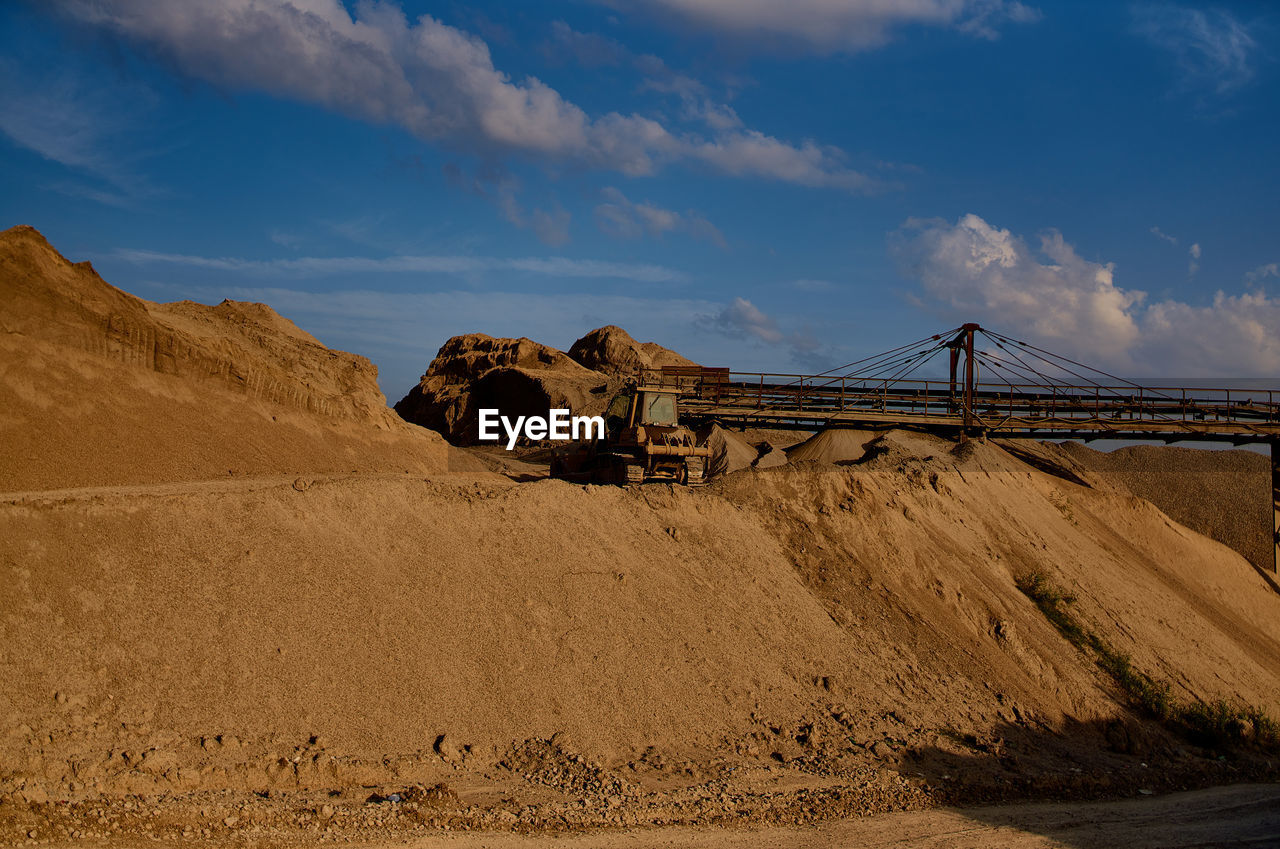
(1212, 725)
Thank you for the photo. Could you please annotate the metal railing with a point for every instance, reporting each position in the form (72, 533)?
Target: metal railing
(996, 407)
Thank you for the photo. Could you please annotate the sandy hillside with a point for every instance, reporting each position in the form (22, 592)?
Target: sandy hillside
(281, 650)
(1222, 494)
(99, 387)
(787, 614)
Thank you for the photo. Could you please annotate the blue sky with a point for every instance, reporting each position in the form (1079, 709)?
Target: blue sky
(760, 185)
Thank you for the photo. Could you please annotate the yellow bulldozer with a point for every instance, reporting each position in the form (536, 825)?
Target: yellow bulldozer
(644, 441)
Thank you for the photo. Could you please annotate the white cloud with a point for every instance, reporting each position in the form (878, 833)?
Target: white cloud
(551, 228)
(285, 239)
(701, 228)
(592, 50)
(749, 153)
(619, 216)
(840, 25)
(741, 319)
(1073, 306)
(1069, 301)
(1163, 236)
(589, 49)
(1262, 272)
(434, 80)
(1236, 335)
(551, 266)
(1193, 264)
(497, 185)
(696, 102)
(1213, 49)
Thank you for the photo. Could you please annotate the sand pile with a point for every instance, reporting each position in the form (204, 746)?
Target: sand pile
(611, 350)
(729, 451)
(1225, 495)
(1052, 457)
(100, 387)
(518, 376)
(247, 347)
(833, 445)
(773, 616)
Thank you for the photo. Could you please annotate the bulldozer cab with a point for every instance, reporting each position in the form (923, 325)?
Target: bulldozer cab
(656, 407)
(641, 406)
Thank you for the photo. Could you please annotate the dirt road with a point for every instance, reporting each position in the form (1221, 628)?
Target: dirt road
(1237, 817)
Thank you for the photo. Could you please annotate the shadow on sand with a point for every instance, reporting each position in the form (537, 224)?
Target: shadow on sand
(1122, 769)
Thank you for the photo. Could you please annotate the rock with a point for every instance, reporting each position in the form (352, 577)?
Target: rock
(611, 350)
(447, 749)
(882, 750)
(325, 811)
(1127, 737)
(786, 750)
(34, 794)
(519, 377)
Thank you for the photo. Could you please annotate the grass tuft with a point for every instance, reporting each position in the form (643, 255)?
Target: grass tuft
(1216, 724)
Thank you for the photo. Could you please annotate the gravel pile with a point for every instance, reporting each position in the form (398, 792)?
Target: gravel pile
(1225, 495)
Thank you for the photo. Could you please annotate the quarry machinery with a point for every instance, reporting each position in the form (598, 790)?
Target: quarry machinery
(644, 441)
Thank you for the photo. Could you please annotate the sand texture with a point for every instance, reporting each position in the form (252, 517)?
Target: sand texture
(98, 387)
(1222, 494)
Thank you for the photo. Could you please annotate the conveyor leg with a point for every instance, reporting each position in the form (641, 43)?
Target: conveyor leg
(1275, 502)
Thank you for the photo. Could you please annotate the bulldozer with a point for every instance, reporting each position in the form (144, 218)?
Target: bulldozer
(644, 441)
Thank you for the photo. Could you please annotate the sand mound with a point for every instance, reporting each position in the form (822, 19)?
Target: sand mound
(611, 350)
(246, 347)
(1225, 495)
(519, 376)
(833, 445)
(100, 387)
(1053, 458)
(783, 439)
(775, 617)
(729, 451)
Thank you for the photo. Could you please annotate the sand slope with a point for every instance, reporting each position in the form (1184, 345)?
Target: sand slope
(782, 611)
(100, 387)
(1223, 494)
